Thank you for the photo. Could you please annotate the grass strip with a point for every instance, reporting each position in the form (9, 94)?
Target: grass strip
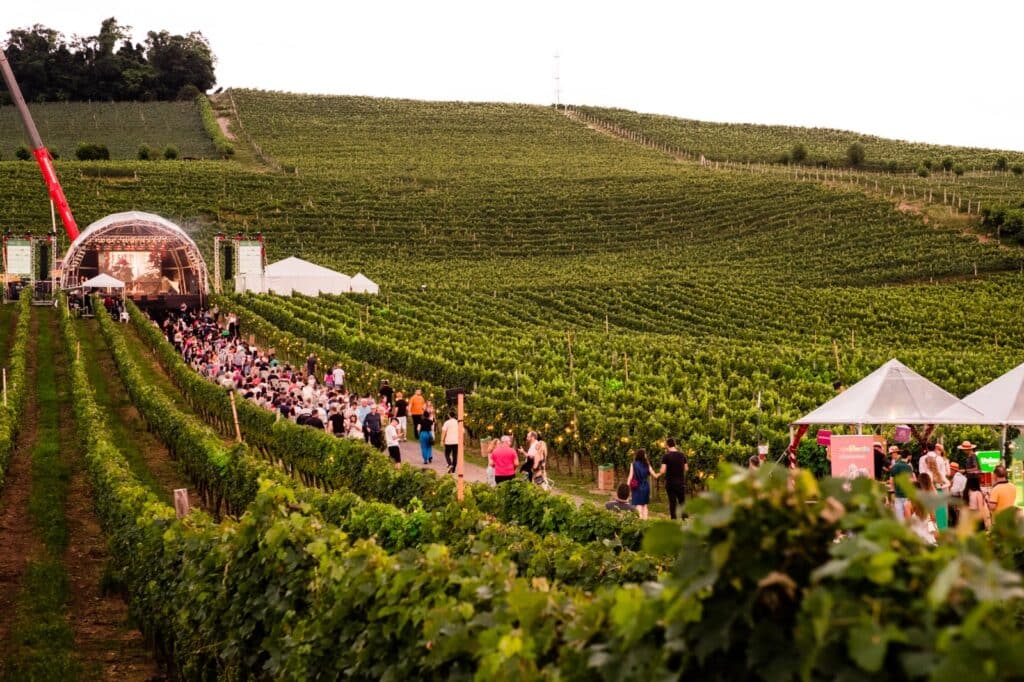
(42, 639)
(112, 396)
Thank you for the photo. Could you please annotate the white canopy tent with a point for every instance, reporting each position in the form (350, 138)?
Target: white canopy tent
(893, 394)
(296, 275)
(361, 284)
(1001, 401)
(103, 281)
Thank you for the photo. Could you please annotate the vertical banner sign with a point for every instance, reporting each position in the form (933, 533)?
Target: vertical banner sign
(19, 257)
(250, 258)
(853, 456)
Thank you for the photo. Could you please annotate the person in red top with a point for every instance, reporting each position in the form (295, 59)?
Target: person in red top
(504, 460)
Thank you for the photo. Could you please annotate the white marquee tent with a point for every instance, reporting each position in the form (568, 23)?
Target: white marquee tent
(361, 284)
(894, 394)
(296, 275)
(103, 281)
(1001, 401)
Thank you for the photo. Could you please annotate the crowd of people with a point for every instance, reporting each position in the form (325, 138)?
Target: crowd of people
(966, 499)
(318, 397)
(308, 394)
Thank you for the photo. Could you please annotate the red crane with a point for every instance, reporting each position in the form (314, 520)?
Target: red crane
(40, 151)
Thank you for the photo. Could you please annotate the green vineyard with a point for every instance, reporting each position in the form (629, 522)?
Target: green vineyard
(585, 282)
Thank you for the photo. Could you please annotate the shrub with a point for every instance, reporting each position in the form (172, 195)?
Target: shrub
(23, 153)
(91, 151)
(170, 152)
(1018, 169)
(923, 171)
(782, 158)
(892, 166)
(855, 154)
(928, 164)
(947, 163)
(798, 153)
(1001, 164)
(146, 153)
(958, 170)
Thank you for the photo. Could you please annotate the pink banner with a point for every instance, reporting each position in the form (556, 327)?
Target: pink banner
(852, 456)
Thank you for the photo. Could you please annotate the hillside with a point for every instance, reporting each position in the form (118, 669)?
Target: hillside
(683, 291)
(747, 142)
(122, 126)
(574, 281)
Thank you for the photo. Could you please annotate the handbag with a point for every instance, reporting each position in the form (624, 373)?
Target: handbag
(634, 484)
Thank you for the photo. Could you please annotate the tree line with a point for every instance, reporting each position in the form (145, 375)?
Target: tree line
(108, 67)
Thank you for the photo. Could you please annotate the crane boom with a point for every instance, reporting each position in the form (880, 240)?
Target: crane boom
(40, 151)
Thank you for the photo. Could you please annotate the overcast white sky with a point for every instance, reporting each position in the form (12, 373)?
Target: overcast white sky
(941, 72)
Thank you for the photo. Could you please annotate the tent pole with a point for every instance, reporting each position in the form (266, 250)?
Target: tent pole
(1002, 446)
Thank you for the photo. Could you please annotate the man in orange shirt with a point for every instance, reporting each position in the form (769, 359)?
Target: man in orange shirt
(1003, 494)
(416, 407)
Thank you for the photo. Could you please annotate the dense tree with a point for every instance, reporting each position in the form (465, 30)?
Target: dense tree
(180, 61)
(855, 154)
(107, 66)
(799, 153)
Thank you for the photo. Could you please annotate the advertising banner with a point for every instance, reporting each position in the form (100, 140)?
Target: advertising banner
(250, 258)
(988, 460)
(19, 257)
(852, 456)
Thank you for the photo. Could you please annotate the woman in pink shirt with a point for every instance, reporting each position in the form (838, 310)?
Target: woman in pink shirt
(504, 460)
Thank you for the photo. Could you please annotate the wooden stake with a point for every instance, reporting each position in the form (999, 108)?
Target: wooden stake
(835, 351)
(625, 366)
(234, 415)
(460, 464)
(5, 387)
(181, 505)
(78, 351)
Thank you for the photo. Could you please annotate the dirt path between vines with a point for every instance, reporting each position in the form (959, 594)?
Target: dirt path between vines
(18, 542)
(107, 644)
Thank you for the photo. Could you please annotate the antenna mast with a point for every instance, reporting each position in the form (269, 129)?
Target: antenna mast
(558, 82)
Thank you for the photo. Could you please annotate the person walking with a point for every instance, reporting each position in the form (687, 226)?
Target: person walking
(674, 467)
(639, 481)
(902, 466)
(401, 413)
(450, 439)
(425, 426)
(391, 438)
(417, 406)
(504, 460)
(372, 427)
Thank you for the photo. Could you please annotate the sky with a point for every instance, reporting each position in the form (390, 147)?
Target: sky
(941, 72)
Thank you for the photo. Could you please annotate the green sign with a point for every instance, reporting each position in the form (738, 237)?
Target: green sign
(988, 460)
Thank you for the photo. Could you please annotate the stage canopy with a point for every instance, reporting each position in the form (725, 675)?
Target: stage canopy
(103, 282)
(894, 394)
(152, 256)
(1000, 402)
(294, 275)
